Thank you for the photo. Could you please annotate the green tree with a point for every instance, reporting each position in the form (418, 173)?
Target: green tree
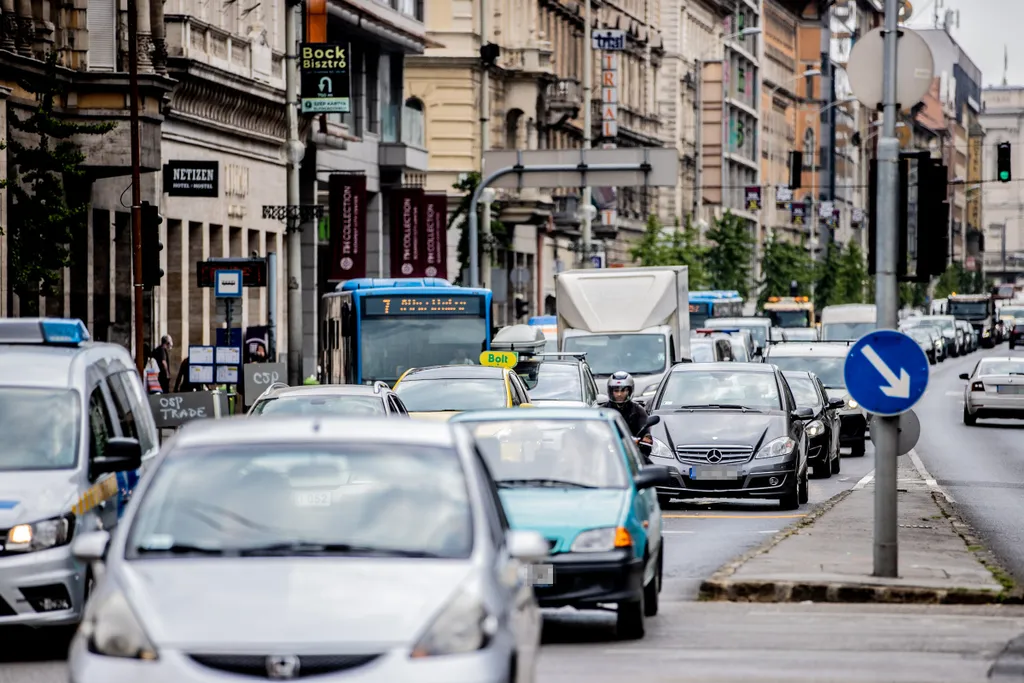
(678, 247)
(728, 258)
(852, 276)
(957, 280)
(782, 264)
(826, 276)
(913, 294)
(500, 235)
(43, 156)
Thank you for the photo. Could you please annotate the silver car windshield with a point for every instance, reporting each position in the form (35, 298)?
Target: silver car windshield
(551, 453)
(804, 391)
(380, 499)
(320, 405)
(828, 369)
(551, 381)
(39, 429)
(695, 388)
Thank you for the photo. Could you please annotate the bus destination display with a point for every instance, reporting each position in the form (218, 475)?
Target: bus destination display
(423, 305)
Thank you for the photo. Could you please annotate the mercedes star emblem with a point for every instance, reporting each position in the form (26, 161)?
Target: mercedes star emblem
(282, 667)
(714, 455)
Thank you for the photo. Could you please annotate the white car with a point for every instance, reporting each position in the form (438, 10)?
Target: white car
(347, 550)
(994, 390)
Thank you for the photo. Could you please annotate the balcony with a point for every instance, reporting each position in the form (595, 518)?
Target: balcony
(532, 59)
(564, 96)
(403, 144)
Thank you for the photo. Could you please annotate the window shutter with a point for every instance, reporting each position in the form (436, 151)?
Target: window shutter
(101, 23)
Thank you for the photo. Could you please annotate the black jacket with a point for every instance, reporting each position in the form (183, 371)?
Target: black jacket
(633, 413)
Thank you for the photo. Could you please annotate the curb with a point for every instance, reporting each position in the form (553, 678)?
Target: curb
(720, 587)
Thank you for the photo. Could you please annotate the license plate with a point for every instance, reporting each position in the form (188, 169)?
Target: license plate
(713, 473)
(312, 500)
(539, 574)
(1009, 389)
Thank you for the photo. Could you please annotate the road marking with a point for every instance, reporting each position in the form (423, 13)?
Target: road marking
(769, 531)
(865, 481)
(928, 478)
(752, 516)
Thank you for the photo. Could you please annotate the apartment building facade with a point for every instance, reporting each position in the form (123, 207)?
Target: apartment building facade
(1002, 117)
(534, 101)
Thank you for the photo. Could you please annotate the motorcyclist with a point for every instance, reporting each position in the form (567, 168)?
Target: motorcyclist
(620, 397)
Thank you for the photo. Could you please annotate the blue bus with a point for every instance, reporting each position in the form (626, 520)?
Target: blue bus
(714, 304)
(376, 329)
(549, 325)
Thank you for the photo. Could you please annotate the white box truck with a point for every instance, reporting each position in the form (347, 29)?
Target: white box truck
(632, 319)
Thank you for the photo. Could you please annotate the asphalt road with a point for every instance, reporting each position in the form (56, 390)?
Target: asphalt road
(981, 467)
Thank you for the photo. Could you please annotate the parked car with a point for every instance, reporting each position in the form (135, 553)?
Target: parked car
(824, 427)
(995, 389)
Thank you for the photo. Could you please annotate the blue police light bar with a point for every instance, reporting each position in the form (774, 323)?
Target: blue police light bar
(378, 283)
(55, 331)
(710, 330)
(541, 320)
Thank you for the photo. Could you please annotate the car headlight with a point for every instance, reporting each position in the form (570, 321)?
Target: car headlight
(463, 626)
(111, 628)
(49, 533)
(938, 343)
(601, 540)
(851, 404)
(660, 449)
(777, 448)
(815, 428)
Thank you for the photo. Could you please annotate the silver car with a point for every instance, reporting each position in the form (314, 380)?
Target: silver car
(994, 390)
(349, 550)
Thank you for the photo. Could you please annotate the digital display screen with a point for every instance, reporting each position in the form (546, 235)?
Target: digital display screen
(698, 308)
(385, 306)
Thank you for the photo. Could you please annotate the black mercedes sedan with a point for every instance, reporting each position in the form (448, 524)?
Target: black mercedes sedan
(823, 429)
(733, 430)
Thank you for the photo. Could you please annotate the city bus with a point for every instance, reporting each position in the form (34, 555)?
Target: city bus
(549, 326)
(714, 304)
(376, 329)
(790, 311)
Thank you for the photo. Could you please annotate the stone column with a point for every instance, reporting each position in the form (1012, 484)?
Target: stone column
(26, 27)
(156, 15)
(9, 26)
(145, 35)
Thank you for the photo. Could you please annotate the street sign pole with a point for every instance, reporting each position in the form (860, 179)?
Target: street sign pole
(886, 429)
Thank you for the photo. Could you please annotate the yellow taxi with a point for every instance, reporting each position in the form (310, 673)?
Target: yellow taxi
(441, 391)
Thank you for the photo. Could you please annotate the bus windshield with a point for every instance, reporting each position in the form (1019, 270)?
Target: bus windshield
(637, 354)
(390, 346)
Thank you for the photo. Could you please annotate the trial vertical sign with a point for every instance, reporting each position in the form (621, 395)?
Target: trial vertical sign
(326, 85)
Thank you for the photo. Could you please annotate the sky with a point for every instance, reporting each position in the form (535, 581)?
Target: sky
(986, 27)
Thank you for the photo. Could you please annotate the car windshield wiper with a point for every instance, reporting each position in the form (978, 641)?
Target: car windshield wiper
(306, 548)
(553, 483)
(180, 549)
(718, 406)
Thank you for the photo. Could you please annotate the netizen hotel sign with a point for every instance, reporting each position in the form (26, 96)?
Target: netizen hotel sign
(326, 88)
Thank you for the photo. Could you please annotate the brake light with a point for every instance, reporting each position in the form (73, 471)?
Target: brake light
(978, 386)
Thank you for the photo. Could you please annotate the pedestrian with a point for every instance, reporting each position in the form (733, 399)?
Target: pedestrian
(162, 355)
(151, 374)
(183, 383)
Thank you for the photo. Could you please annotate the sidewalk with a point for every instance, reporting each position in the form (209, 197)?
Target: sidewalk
(829, 556)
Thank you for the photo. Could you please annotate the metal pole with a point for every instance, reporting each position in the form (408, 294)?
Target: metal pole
(485, 133)
(1005, 276)
(137, 291)
(272, 306)
(588, 107)
(885, 429)
(294, 265)
(698, 156)
(826, 118)
(474, 222)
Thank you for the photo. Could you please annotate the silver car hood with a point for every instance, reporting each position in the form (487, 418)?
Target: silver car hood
(310, 605)
(35, 495)
(553, 403)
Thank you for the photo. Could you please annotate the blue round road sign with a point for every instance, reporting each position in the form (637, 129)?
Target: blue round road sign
(886, 372)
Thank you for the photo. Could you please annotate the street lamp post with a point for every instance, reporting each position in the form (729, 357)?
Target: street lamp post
(698, 155)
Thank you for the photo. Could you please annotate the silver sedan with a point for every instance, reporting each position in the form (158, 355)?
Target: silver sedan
(356, 551)
(994, 390)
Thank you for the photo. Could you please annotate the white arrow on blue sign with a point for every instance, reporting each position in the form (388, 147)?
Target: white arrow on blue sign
(886, 372)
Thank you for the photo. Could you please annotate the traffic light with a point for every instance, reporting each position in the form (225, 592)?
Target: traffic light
(796, 169)
(489, 53)
(152, 273)
(522, 307)
(1003, 162)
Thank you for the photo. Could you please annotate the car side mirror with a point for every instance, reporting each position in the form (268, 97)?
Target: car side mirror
(964, 376)
(91, 546)
(122, 454)
(602, 398)
(653, 420)
(653, 475)
(526, 546)
(836, 404)
(803, 413)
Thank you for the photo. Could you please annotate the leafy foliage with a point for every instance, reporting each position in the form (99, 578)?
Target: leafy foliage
(678, 247)
(782, 264)
(842, 276)
(959, 280)
(728, 259)
(41, 222)
(500, 235)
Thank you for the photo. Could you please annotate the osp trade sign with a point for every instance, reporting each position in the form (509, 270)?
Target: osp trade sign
(326, 79)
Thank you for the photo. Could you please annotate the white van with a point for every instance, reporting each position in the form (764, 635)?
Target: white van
(848, 322)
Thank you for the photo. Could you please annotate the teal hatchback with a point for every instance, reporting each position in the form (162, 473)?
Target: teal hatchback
(576, 476)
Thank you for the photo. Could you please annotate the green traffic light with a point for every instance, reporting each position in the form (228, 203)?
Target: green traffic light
(1004, 175)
